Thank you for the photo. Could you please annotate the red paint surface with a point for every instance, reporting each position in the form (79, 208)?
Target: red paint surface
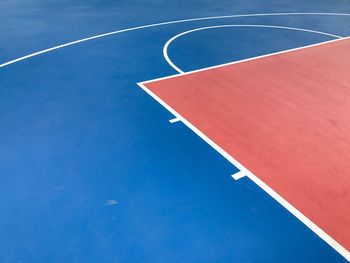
(286, 118)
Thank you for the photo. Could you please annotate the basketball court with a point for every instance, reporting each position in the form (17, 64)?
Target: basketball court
(175, 132)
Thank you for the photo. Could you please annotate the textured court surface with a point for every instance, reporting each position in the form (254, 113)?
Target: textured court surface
(91, 170)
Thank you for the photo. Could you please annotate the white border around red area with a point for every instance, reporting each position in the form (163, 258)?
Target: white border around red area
(311, 225)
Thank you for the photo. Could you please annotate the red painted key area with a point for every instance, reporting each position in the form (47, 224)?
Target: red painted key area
(286, 118)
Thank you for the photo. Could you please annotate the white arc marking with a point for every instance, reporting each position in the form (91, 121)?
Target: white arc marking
(167, 44)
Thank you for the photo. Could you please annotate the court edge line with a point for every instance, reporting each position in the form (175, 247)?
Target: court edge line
(245, 60)
(311, 225)
(171, 40)
(166, 23)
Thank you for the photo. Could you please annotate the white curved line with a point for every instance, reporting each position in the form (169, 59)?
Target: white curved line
(161, 24)
(167, 44)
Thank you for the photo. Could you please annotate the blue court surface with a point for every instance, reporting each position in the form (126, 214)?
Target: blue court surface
(91, 169)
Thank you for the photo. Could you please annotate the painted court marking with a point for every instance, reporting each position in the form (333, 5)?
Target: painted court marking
(238, 175)
(162, 24)
(171, 40)
(174, 120)
(321, 233)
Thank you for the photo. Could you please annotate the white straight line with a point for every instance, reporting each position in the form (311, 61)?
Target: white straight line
(174, 120)
(167, 44)
(244, 60)
(317, 230)
(238, 175)
(162, 24)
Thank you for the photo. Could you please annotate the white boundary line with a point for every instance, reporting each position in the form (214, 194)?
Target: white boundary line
(167, 44)
(317, 230)
(166, 23)
(244, 60)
